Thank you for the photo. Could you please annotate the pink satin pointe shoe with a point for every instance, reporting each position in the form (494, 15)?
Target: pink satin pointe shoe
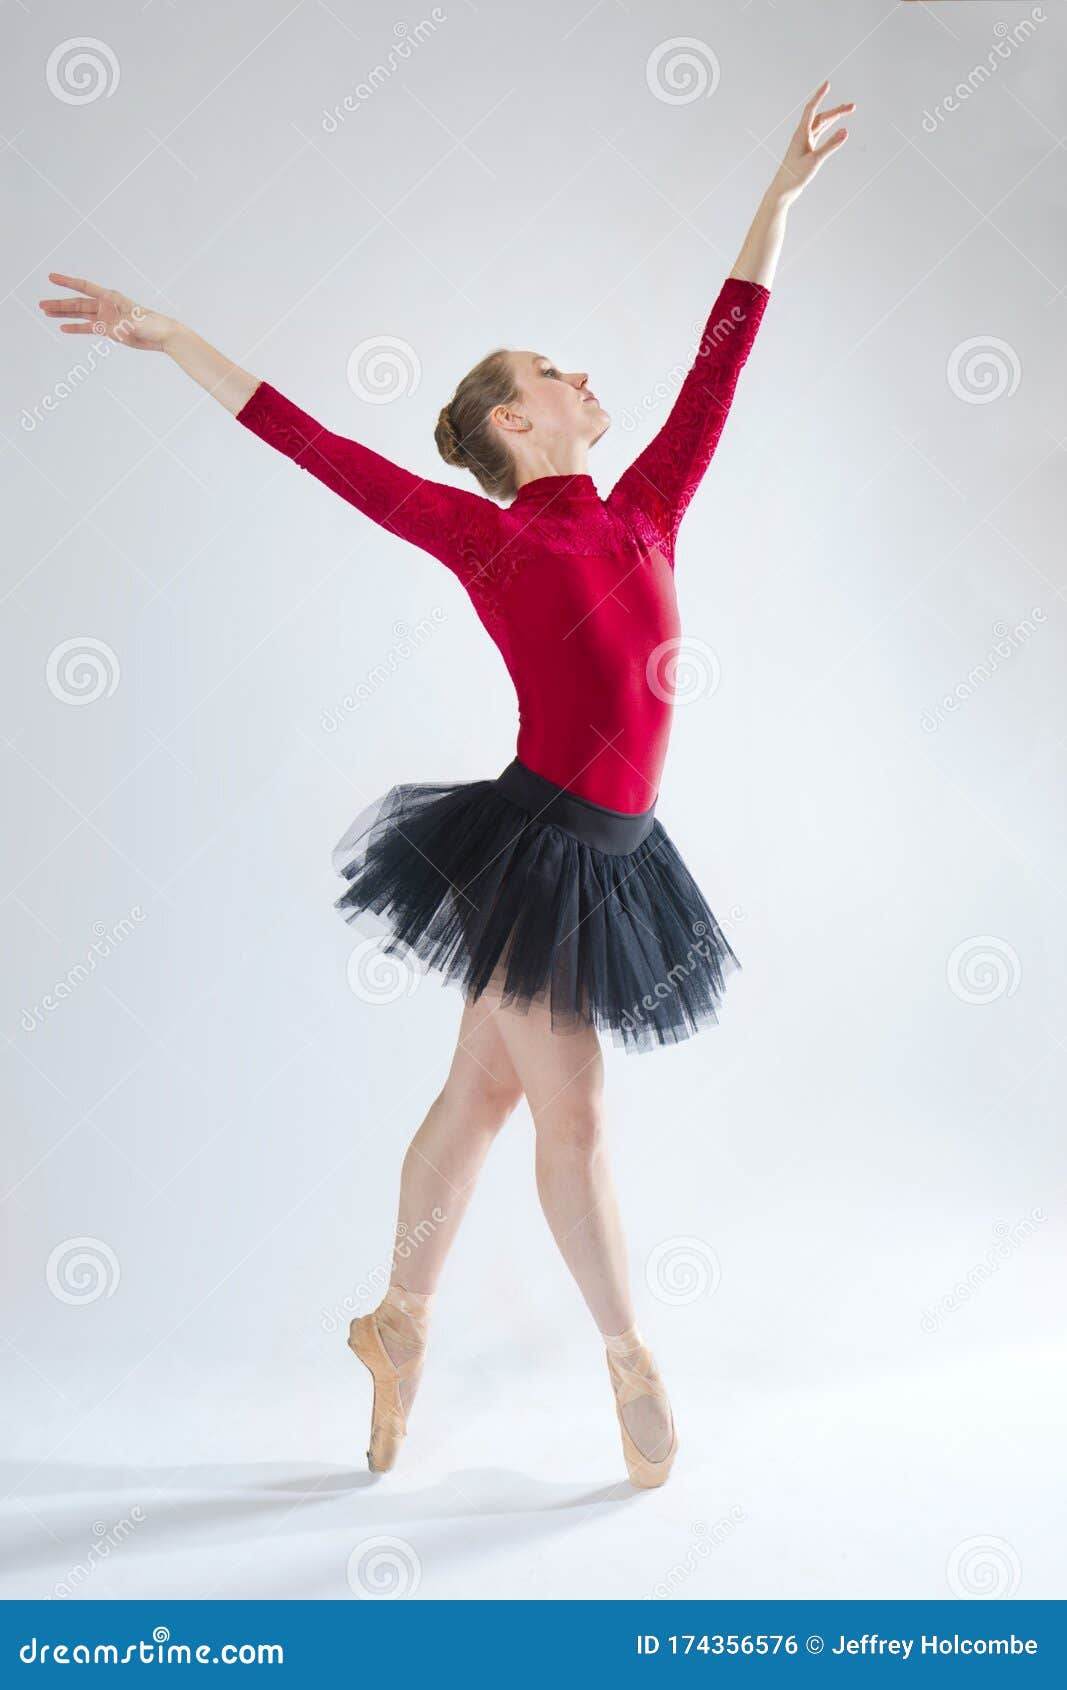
(400, 1322)
(634, 1374)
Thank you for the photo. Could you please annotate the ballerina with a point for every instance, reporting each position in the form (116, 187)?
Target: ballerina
(550, 894)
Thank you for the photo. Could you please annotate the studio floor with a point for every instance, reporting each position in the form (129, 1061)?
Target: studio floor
(938, 1484)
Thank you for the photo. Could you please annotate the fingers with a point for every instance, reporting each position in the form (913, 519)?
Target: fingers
(78, 328)
(78, 283)
(812, 104)
(832, 144)
(824, 117)
(68, 307)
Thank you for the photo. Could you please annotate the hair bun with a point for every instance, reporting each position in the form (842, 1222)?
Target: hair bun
(448, 442)
(466, 432)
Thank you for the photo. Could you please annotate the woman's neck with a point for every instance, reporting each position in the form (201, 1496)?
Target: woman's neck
(564, 460)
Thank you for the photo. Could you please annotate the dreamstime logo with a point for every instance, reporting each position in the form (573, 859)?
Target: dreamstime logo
(405, 42)
(983, 1566)
(82, 670)
(382, 369)
(146, 1653)
(1009, 37)
(82, 1270)
(377, 975)
(705, 1540)
(983, 969)
(106, 1540)
(124, 328)
(681, 70)
(983, 369)
(383, 1568)
(734, 916)
(712, 334)
(1007, 642)
(96, 352)
(683, 1270)
(709, 953)
(650, 402)
(105, 940)
(408, 641)
(682, 670)
(1006, 1241)
(81, 70)
(408, 1241)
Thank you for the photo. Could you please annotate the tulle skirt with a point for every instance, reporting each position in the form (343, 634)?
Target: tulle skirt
(517, 887)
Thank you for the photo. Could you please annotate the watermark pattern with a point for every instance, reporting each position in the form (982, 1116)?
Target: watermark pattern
(370, 1290)
(1007, 1239)
(983, 369)
(682, 670)
(407, 643)
(384, 1568)
(697, 956)
(1009, 37)
(106, 1539)
(378, 975)
(983, 969)
(81, 670)
(649, 403)
(682, 70)
(1007, 641)
(683, 1270)
(32, 417)
(107, 939)
(667, 388)
(82, 1270)
(382, 369)
(406, 42)
(82, 70)
(705, 1540)
(985, 1567)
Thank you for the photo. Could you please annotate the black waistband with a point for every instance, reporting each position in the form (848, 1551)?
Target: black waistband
(613, 831)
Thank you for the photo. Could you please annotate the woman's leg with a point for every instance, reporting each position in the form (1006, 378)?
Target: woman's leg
(562, 1075)
(440, 1169)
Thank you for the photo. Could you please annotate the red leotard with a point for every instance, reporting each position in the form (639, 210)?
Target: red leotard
(576, 591)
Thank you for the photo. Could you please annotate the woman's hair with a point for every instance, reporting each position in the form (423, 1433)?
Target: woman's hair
(465, 433)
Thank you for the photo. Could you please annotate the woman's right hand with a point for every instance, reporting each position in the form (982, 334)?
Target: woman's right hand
(103, 311)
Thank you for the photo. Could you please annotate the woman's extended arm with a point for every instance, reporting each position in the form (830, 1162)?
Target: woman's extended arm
(226, 382)
(655, 491)
(452, 524)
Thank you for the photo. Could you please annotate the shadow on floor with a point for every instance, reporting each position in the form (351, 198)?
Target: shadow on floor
(56, 1512)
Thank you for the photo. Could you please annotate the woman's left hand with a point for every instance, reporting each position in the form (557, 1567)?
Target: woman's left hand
(807, 151)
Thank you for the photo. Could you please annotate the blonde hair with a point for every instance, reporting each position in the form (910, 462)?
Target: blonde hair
(465, 434)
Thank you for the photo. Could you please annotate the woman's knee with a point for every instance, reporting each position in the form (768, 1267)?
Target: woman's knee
(481, 1097)
(571, 1128)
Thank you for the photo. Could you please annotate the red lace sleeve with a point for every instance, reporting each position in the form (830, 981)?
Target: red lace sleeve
(452, 525)
(656, 489)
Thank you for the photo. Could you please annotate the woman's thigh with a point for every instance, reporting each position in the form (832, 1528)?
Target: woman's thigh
(481, 1063)
(561, 1072)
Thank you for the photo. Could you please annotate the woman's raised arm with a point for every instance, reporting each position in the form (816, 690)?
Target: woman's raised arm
(806, 153)
(655, 491)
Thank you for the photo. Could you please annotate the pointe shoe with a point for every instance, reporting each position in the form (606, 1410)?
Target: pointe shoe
(404, 1316)
(633, 1374)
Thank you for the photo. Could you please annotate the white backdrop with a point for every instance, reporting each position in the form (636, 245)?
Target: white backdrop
(845, 1203)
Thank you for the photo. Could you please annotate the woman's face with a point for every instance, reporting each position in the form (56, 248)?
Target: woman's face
(559, 404)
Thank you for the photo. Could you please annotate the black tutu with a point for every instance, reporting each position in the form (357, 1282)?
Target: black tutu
(518, 885)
